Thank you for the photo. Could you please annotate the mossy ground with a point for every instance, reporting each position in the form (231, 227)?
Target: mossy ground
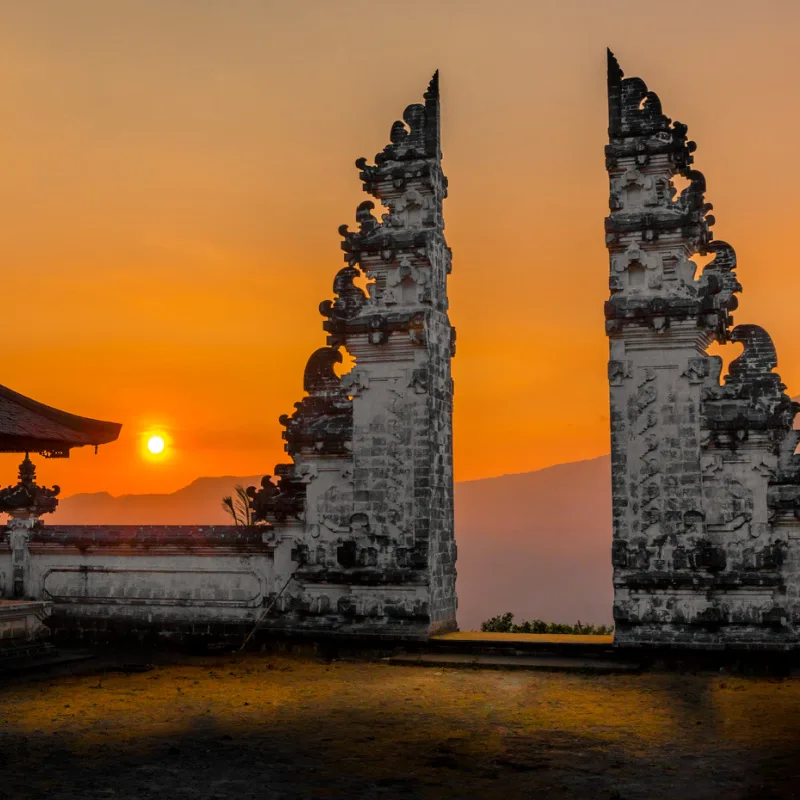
(274, 727)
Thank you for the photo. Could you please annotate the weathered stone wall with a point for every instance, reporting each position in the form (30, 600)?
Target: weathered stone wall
(434, 471)
(168, 581)
(704, 479)
(6, 570)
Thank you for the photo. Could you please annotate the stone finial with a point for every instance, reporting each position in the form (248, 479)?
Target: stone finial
(416, 136)
(635, 112)
(432, 121)
(27, 499)
(433, 87)
(633, 109)
(365, 218)
(652, 232)
(615, 75)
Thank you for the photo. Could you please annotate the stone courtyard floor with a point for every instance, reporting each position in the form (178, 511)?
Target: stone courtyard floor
(257, 726)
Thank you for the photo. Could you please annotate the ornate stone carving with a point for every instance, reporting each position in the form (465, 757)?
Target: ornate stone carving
(752, 396)
(378, 330)
(696, 370)
(323, 420)
(355, 383)
(350, 299)
(27, 498)
(281, 501)
(420, 380)
(618, 371)
(703, 472)
(379, 512)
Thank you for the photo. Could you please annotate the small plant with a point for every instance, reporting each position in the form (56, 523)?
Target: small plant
(238, 506)
(505, 624)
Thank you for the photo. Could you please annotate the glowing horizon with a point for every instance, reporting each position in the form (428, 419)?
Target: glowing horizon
(174, 182)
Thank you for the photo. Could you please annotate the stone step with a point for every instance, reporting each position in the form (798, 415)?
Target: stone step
(545, 663)
(23, 663)
(12, 650)
(524, 644)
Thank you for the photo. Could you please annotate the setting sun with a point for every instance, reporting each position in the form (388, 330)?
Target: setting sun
(155, 444)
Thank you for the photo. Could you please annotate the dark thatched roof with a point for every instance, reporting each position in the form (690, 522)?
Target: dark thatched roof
(29, 426)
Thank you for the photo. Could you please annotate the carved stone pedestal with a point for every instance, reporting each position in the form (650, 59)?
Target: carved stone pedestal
(19, 533)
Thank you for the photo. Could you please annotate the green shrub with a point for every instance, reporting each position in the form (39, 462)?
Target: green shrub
(505, 624)
(502, 624)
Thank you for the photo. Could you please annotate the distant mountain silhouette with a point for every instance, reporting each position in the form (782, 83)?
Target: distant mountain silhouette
(199, 503)
(537, 543)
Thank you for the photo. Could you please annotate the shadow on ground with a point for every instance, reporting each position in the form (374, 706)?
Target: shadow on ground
(258, 727)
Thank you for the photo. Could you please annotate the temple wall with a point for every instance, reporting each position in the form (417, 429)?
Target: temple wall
(435, 477)
(6, 576)
(168, 581)
(787, 529)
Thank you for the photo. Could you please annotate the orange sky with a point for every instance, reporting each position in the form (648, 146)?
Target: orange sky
(173, 176)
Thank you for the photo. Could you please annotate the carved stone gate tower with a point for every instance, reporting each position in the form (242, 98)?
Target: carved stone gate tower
(363, 517)
(704, 476)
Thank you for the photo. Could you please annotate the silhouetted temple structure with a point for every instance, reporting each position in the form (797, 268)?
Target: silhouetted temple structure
(363, 516)
(27, 426)
(706, 486)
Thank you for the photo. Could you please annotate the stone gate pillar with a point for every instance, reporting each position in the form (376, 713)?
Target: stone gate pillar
(372, 471)
(703, 467)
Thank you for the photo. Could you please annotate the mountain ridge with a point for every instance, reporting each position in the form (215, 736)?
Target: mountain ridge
(535, 543)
